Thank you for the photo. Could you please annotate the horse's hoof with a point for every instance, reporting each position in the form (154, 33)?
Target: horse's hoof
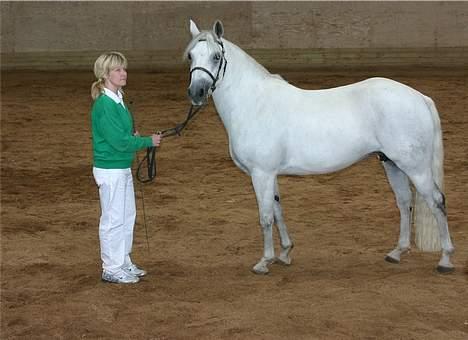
(391, 260)
(445, 270)
(285, 261)
(260, 271)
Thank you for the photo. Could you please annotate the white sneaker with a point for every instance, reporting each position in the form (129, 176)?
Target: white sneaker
(120, 277)
(134, 270)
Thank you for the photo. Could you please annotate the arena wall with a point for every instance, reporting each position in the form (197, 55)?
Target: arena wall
(62, 35)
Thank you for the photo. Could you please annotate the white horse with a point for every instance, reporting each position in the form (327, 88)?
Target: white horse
(276, 129)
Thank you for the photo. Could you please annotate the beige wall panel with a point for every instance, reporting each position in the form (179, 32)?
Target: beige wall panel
(452, 29)
(359, 25)
(310, 25)
(71, 26)
(165, 25)
(8, 35)
(402, 25)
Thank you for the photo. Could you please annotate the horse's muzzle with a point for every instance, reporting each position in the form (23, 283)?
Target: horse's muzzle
(198, 92)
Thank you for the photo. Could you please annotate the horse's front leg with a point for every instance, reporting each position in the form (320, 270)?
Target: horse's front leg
(264, 186)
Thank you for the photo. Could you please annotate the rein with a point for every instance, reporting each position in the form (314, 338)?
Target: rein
(150, 158)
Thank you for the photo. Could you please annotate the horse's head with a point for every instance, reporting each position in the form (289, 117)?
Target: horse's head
(207, 61)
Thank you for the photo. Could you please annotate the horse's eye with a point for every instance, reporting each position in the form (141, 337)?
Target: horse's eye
(217, 56)
(189, 56)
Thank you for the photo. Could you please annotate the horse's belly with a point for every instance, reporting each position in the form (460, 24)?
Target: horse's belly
(300, 159)
(324, 159)
(304, 168)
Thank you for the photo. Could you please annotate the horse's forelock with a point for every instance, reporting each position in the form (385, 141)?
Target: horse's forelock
(203, 36)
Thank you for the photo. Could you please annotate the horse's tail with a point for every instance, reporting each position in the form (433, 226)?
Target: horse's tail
(427, 236)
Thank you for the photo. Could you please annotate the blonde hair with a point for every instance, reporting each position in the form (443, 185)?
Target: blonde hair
(102, 66)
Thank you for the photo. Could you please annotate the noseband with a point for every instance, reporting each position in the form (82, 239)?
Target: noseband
(213, 78)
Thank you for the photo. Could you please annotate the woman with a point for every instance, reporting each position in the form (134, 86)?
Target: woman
(114, 148)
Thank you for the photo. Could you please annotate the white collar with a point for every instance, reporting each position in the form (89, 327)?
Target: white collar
(118, 98)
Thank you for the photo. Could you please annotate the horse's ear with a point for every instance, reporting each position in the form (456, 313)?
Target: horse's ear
(218, 29)
(194, 29)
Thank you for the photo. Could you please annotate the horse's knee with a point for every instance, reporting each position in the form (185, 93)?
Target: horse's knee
(266, 220)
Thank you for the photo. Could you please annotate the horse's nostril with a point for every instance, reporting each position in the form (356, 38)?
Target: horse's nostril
(202, 92)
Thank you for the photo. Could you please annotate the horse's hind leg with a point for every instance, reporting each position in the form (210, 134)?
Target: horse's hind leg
(435, 200)
(285, 241)
(401, 187)
(264, 186)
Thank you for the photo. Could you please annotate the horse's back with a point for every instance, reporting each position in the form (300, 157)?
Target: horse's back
(320, 131)
(327, 130)
(372, 100)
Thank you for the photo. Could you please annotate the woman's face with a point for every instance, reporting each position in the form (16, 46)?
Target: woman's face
(117, 78)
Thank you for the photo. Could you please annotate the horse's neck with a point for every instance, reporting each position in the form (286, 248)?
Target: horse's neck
(241, 81)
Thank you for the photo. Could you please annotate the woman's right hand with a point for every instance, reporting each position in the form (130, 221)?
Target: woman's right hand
(156, 139)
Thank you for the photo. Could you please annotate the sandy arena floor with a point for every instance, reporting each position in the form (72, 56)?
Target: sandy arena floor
(203, 229)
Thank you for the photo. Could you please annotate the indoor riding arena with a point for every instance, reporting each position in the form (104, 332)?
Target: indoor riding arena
(197, 232)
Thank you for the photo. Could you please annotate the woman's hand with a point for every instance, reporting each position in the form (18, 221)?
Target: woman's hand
(156, 139)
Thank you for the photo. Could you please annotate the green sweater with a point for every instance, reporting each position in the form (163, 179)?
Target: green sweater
(114, 145)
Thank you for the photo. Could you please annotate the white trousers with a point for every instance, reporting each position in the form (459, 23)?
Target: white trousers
(118, 214)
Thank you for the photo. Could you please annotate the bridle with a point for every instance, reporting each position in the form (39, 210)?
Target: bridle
(221, 62)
